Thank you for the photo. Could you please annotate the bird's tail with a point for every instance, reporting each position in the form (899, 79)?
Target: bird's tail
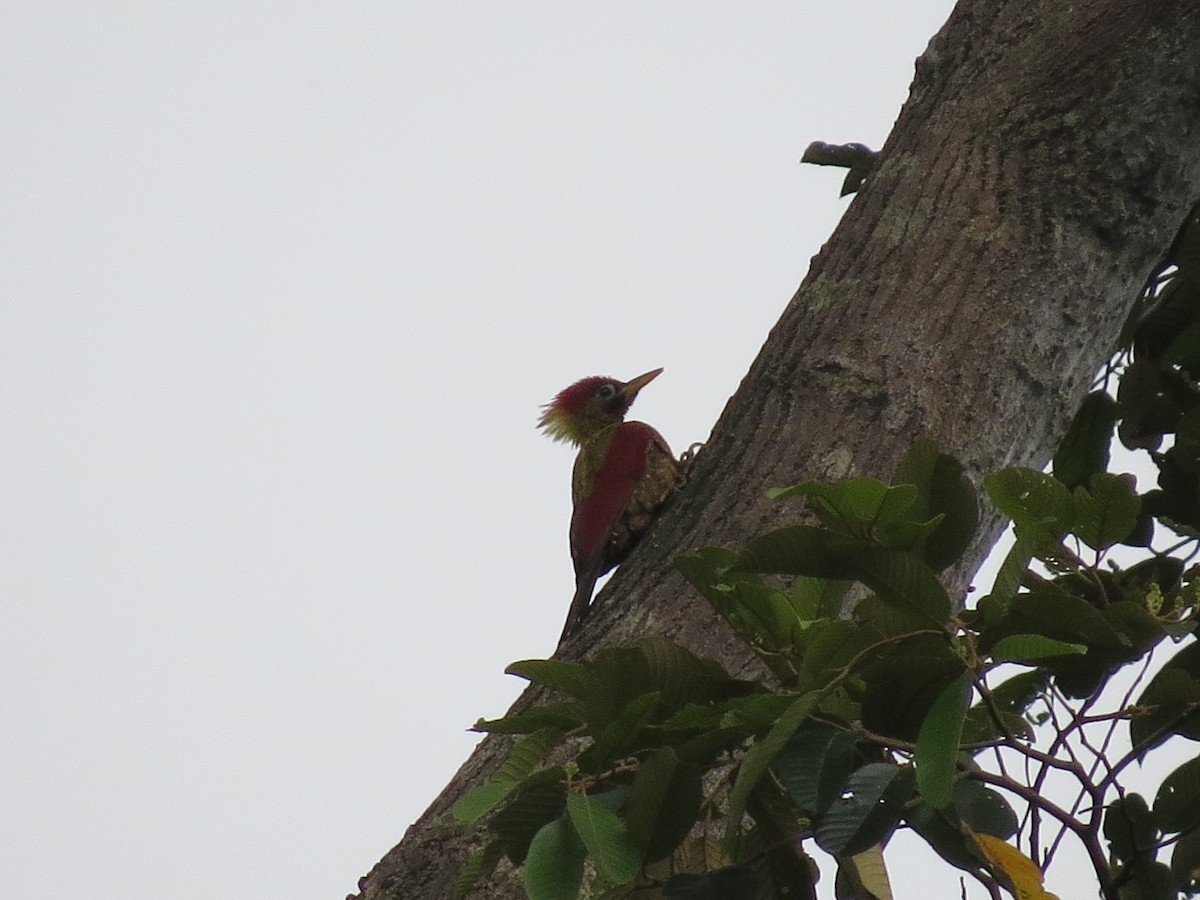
(581, 604)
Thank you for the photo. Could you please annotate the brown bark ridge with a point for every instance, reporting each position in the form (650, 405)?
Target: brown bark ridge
(1045, 158)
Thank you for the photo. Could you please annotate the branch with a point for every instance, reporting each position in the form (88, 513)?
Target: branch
(1020, 746)
(1081, 831)
(1188, 711)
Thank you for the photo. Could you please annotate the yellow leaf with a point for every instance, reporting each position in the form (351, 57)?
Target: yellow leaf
(1021, 873)
(872, 872)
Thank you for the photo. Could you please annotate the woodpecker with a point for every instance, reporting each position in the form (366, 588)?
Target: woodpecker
(624, 476)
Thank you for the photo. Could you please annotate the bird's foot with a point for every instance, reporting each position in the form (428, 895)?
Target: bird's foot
(687, 459)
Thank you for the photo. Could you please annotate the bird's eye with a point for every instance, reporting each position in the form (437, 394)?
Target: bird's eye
(607, 391)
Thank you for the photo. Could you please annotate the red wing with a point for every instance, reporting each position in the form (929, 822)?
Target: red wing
(594, 516)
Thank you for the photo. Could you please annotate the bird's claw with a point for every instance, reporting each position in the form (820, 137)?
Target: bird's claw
(687, 459)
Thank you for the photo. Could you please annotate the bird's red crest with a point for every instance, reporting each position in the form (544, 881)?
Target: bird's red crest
(574, 399)
(562, 417)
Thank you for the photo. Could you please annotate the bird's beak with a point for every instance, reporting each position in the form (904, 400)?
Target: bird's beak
(632, 387)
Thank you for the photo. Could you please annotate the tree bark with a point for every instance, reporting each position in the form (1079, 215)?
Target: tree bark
(1043, 162)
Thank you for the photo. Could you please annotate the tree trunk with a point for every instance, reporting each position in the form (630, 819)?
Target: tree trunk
(1044, 160)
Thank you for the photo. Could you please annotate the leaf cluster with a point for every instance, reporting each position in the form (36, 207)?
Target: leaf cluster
(655, 773)
(643, 723)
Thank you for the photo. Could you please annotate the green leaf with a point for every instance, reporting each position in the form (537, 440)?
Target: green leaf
(733, 883)
(868, 508)
(481, 800)
(480, 864)
(1177, 804)
(755, 712)
(758, 758)
(941, 830)
(1138, 633)
(899, 578)
(801, 550)
(861, 501)
(1027, 648)
(1056, 615)
(703, 747)
(761, 613)
(564, 717)
(1146, 879)
(1173, 702)
(1106, 511)
(814, 765)
(758, 711)
(616, 856)
(1185, 862)
(872, 801)
(1147, 412)
(1184, 350)
(979, 808)
(622, 734)
(881, 620)
(662, 803)
(527, 753)
(792, 872)
(1009, 576)
(683, 677)
(854, 501)
(945, 493)
(523, 758)
(1161, 573)
(1129, 827)
(828, 646)
(554, 865)
(706, 568)
(1032, 499)
(538, 800)
(623, 674)
(984, 810)
(903, 681)
(1114, 635)
(1138, 629)
(1084, 450)
(571, 678)
(905, 582)
(953, 497)
(818, 598)
(937, 743)
(1187, 439)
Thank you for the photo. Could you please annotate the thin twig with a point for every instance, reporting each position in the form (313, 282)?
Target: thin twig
(991, 885)
(1019, 745)
(1085, 776)
(1189, 710)
(1081, 831)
